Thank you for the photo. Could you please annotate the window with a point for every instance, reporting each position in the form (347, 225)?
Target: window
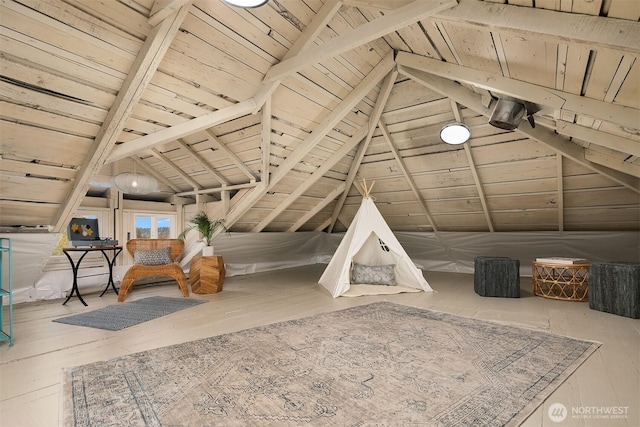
(155, 226)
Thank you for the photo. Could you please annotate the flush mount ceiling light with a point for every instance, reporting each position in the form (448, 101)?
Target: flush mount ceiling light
(455, 133)
(135, 183)
(246, 3)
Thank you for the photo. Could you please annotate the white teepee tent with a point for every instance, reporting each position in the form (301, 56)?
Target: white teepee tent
(370, 241)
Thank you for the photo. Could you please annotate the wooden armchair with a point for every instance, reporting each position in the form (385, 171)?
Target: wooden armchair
(137, 271)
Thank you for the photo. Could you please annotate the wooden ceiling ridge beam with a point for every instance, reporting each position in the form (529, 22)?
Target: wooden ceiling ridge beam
(142, 70)
(407, 175)
(366, 33)
(363, 89)
(318, 207)
(376, 114)
(589, 30)
(614, 113)
(230, 154)
(313, 178)
(455, 107)
(546, 136)
(181, 130)
(202, 162)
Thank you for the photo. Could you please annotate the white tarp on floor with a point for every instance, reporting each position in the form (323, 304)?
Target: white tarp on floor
(246, 253)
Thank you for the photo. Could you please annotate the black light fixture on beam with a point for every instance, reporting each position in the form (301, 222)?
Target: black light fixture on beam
(508, 113)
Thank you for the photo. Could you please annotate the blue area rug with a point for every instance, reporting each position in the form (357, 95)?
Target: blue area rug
(121, 316)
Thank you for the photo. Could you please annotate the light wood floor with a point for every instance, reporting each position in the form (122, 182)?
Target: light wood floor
(30, 371)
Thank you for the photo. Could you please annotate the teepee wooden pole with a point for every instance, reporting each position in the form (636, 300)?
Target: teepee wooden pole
(366, 190)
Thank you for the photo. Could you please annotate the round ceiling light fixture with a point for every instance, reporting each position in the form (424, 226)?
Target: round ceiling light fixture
(135, 183)
(455, 133)
(247, 4)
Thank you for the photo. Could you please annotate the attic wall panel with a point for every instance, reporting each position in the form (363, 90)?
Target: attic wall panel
(437, 207)
(514, 171)
(510, 151)
(530, 60)
(629, 93)
(602, 218)
(28, 143)
(525, 220)
(526, 201)
(55, 122)
(544, 185)
(469, 221)
(21, 213)
(619, 197)
(29, 189)
(477, 48)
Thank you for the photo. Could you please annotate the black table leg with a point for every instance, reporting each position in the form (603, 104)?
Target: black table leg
(74, 288)
(110, 263)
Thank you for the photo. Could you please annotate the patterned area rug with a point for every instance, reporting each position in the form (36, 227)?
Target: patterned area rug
(123, 315)
(381, 364)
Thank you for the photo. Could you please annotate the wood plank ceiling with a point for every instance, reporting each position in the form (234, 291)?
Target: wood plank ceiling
(280, 109)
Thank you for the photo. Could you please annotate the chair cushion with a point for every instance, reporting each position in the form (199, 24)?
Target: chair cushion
(373, 274)
(158, 256)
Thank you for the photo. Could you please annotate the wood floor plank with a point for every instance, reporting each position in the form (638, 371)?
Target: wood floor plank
(31, 370)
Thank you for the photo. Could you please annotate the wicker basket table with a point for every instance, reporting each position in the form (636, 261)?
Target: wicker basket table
(564, 279)
(206, 274)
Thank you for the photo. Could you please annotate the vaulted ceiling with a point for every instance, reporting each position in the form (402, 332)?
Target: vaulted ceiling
(279, 111)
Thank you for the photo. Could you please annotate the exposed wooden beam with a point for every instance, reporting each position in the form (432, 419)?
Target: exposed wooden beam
(181, 130)
(366, 85)
(381, 101)
(313, 178)
(318, 207)
(155, 174)
(265, 143)
(142, 70)
(606, 157)
(554, 141)
(407, 175)
(594, 136)
(230, 154)
(304, 41)
(592, 31)
(560, 195)
(366, 33)
(161, 9)
(377, 4)
(185, 176)
(553, 98)
(474, 171)
(202, 162)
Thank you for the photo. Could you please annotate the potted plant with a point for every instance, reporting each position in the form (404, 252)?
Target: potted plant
(207, 227)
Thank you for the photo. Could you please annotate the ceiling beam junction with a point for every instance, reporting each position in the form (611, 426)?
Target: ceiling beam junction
(366, 33)
(142, 70)
(554, 141)
(381, 101)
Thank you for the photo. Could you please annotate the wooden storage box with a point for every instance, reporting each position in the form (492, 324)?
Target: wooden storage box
(206, 274)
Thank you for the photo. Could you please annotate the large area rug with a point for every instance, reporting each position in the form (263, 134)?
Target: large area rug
(123, 315)
(381, 364)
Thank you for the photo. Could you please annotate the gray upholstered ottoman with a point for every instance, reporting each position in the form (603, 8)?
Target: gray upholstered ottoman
(614, 287)
(496, 277)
